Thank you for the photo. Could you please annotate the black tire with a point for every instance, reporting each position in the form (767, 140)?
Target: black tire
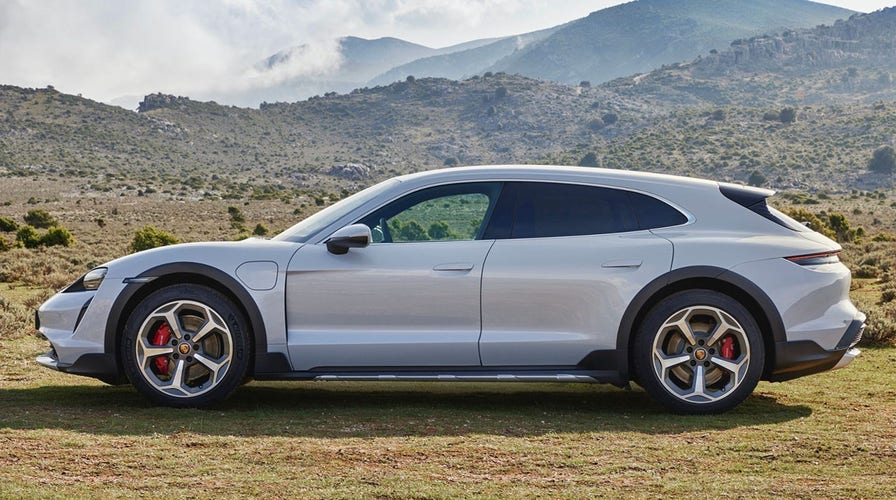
(193, 373)
(667, 362)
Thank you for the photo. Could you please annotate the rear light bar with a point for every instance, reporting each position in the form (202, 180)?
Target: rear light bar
(816, 259)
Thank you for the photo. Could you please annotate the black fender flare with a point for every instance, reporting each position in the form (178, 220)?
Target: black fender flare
(135, 291)
(740, 288)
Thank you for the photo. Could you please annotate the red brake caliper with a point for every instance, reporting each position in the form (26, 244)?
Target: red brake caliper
(161, 337)
(727, 350)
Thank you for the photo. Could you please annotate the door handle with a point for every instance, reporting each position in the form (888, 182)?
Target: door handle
(631, 263)
(453, 266)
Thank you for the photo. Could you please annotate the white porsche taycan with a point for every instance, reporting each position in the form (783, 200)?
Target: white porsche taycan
(696, 290)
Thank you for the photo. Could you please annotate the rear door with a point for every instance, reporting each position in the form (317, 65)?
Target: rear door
(566, 262)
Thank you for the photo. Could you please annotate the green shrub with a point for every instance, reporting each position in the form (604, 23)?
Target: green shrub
(57, 236)
(40, 218)
(883, 160)
(8, 225)
(27, 237)
(150, 237)
(260, 229)
(4, 244)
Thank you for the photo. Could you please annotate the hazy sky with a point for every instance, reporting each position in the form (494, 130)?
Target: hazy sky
(106, 49)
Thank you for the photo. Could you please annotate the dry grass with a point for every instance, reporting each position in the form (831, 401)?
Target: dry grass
(831, 435)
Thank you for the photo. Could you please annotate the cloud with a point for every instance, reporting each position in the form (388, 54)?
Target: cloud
(108, 49)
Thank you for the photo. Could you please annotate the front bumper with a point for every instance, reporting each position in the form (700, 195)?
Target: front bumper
(805, 357)
(95, 365)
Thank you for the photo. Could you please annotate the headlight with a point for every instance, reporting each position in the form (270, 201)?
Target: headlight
(92, 280)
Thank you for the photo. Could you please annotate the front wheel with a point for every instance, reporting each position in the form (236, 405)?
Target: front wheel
(186, 346)
(699, 351)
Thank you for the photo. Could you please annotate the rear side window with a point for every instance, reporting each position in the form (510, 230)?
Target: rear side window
(653, 213)
(540, 210)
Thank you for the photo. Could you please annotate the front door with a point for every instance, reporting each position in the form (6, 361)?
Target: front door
(410, 299)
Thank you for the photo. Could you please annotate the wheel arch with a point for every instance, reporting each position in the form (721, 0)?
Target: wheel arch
(717, 279)
(179, 273)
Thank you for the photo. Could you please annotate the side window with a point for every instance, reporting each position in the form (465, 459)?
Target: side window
(653, 213)
(444, 213)
(539, 210)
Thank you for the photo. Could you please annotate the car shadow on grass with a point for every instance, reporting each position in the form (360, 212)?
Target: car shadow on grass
(345, 409)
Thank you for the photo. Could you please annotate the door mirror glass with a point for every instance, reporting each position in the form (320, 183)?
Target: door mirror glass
(354, 236)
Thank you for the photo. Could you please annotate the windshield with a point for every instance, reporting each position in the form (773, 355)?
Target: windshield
(302, 231)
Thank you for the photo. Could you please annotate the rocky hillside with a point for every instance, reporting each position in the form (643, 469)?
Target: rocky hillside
(730, 115)
(851, 60)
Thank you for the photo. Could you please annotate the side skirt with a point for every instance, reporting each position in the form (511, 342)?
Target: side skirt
(428, 374)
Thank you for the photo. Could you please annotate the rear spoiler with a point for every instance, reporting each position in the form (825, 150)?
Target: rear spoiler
(753, 199)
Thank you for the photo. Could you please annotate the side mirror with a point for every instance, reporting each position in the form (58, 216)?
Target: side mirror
(354, 236)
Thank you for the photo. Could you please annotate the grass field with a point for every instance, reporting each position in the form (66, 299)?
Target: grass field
(830, 435)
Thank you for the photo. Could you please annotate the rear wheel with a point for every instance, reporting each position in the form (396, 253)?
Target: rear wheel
(699, 351)
(186, 346)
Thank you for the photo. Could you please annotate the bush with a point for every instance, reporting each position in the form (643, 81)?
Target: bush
(57, 236)
(4, 244)
(260, 229)
(27, 237)
(787, 115)
(719, 115)
(40, 218)
(8, 225)
(596, 124)
(610, 118)
(802, 215)
(150, 237)
(883, 160)
(757, 179)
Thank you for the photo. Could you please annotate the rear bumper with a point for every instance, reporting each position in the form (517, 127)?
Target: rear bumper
(805, 357)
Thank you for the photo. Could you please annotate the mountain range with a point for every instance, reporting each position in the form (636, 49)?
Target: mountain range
(805, 109)
(618, 41)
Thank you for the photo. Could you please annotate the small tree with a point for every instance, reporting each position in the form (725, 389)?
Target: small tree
(610, 118)
(500, 93)
(589, 160)
(439, 230)
(585, 84)
(150, 237)
(412, 231)
(883, 160)
(40, 218)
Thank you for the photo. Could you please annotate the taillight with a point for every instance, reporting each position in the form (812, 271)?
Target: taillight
(816, 259)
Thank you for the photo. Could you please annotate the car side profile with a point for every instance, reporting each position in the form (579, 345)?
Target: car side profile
(694, 289)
